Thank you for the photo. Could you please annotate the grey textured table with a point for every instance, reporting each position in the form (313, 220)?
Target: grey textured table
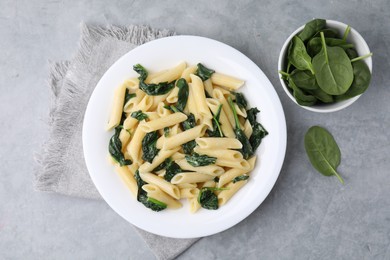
(306, 216)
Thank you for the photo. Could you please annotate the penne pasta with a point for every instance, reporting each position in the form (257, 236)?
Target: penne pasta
(190, 177)
(160, 123)
(128, 178)
(200, 97)
(182, 138)
(139, 95)
(226, 81)
(217, 143)
(240, 164)
(165, 186)
(247, 129)
(225, 195)
(187, 72)
(170, 75)
(220, 154)
(159, 159)
(208, 169)
(117, 108)
(229, 175)
(188, 193)
(226, 127)
(153, 191)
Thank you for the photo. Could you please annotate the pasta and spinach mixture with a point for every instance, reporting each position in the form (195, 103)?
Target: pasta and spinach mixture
(183, 133)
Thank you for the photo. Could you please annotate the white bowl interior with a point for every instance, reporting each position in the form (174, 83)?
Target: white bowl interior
(353, 37)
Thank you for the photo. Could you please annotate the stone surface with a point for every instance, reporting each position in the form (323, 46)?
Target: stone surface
(306, 216)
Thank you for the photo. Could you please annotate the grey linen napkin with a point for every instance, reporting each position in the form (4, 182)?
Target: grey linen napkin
(61, 167)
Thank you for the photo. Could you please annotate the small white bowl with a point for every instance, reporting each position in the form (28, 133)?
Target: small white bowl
(353, 37)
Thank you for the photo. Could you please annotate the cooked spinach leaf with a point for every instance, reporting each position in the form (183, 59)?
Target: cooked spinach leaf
(197, 160)
(188, 124)
(240, 100)
(258, 133)
(115, 148)
(182, 95)
(207, 199)
(216, 179)
(128, 96)
(149, 149)
(171, 170)
(251, 115)
(166, 131)
(333, 69)
(323, 151)
(311, 28)
(142, 197)
(203, 72)
(240, 178)
(152, 89)
(217, 131)
(246, 149)
(139, 115)
(163, 165)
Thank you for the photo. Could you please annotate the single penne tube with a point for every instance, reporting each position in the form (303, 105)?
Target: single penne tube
(171, 74)
(194, 204)
(144, 105)
(208, 87)
(208, 122)
(153, 191)
(130, 122)
(152, 115)
(187, 72)
(231, 189)
(128, 178)
(191, 105)
(124, 137)
(157, 160)
(220, 154)
(226, 127)
(209, 184)
(160, 123)
(188, 193)
(162, 111)
(200, 97)
(240, 164)
(191, 177)
(154, 75)
(229, 175)
(117, 107)
(187, 185)
(132, 84)
(209, 169)
(225, 106)
(182, 138)
(139, 95)
(173, 96)
(178, 156)
(226, 93)
(240, 111)
(157, 100)
(165, 186)
(161, 173)
(135, 145)
(247, 129)
(218, 143)
(226, 81)
(172, 132)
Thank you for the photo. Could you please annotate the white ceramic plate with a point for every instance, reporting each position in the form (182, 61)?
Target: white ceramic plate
(162, 54)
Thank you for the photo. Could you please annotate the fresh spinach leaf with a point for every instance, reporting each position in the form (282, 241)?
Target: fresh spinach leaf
(300, 96)
(115, 148)
(352, 53)
(361, 81)
(361, 57)
(311, 28)
(149, 149)
(182, 95)
(323, 151)
(207, 199)
(246, 149)
(203, 72)
(321, 95)
(171, 170)
(333, 69)
(139, 115)
(152, 89)
(328, 33)
(240, 178)
(217, 131)
(314, 46)
(298, 55)
(304, 79)
(240, 100)
(197, 160)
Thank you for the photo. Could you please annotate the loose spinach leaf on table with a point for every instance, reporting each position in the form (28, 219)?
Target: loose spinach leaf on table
(240, 178)
(311, 28)
(246, 149)
(142, 197)
(149, 149)
(182, 95)
(333, 69)
(298, 56)
(139, 115)
(217, 131)
(197, 160)
(115, 148)
(323, 151)
(203, 72)
(361, 81)
(152, 89)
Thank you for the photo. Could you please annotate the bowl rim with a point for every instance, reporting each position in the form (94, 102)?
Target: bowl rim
(323, 108)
